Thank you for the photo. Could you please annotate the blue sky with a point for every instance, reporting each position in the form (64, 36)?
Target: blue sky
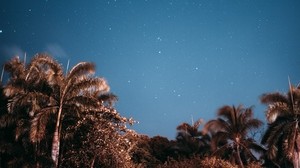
(166, 60)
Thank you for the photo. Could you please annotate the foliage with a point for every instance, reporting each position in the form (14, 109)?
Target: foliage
(52, 119)
(150, 152)
(282, 136)
(47, 109)
(16, 120)
(96, 143)
(229, 134)
(191, 141)
(142, 153)
(216, 163)
(196, 161)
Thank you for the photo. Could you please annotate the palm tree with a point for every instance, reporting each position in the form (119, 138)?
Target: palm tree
(190, 130)
(282, 136)
(190, 140)
(43, 87)
(17, 120)
(229, 134)
(77, 89)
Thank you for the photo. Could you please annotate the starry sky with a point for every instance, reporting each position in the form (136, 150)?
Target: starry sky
(168, 61)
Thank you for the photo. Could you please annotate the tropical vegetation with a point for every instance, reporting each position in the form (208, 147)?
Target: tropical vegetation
(282, 136)
(229, 132)
(51, 117)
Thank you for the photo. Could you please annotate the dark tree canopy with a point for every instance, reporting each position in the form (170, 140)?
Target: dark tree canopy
(49, 118)
(282, 135)
(48, 109)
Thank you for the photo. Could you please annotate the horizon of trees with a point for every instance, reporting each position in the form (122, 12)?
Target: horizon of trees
(49, 118)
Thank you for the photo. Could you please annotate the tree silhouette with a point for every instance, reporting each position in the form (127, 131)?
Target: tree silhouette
(229, 134)
(22, 95)
(96, 141)
(52, 119)
(282, 136)
(191, 141)
(50, 103)
(76, 90)
(151, 152)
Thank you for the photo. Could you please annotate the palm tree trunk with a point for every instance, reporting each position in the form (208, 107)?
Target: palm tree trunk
(56, 138)
(93, 162)
(55, 146)
(239, 157)
(296, 160)
(296, 157)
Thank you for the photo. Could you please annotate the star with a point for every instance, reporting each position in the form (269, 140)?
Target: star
(0, 31)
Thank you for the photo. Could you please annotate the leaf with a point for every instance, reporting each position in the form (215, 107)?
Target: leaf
(38, 125)
(80, 69)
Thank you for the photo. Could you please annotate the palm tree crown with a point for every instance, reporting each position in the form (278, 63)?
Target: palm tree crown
(229, 133)
(49, 93)
(282, 136)
(190, 140)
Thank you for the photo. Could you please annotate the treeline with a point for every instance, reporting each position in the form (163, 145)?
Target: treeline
(49, 118)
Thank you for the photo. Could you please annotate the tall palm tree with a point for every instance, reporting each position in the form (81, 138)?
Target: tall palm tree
(282, 136)
(43, 87)
(229, 134)
(77, 89)
(21, 95)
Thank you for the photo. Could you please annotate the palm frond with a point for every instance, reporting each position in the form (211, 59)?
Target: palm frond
(272, 152)
(213, 126)
(270, 98)
(7, 120)
(182, 126)
(27, 100)
(44, 66)
(249, 125)
(84, 102)
(46, 62)
(245, 114)
(290, 140)
(198, 123)
(21, 128)
(38, 125)
(32, 74)
(82, 68)
(219, 141)
(10, 90)
(275, 130)
(92, 85)
(14, 102)
(252, 144)
(277, 109)
(228, 113)
(15, 68)
(108, 99)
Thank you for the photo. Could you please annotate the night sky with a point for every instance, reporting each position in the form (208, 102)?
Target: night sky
(168, 61)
